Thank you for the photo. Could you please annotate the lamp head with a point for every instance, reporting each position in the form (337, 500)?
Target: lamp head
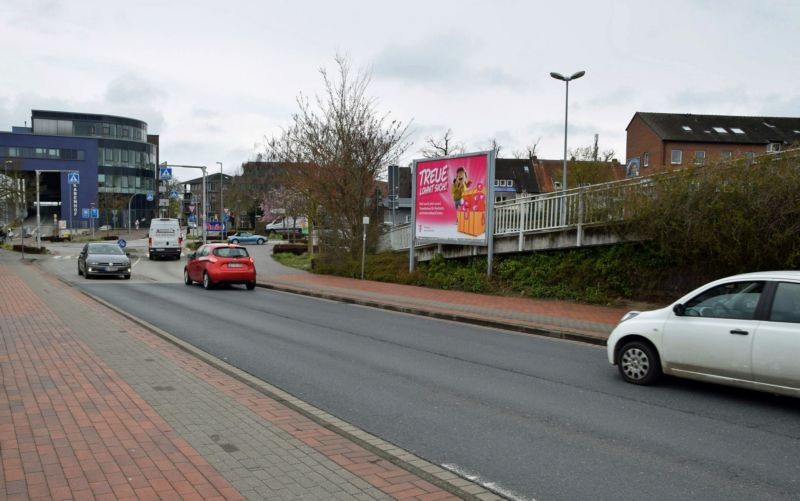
(557, 76)
(577, 75)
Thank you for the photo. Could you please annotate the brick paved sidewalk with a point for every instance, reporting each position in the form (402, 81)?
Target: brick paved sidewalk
(95, 406)
(556, 318)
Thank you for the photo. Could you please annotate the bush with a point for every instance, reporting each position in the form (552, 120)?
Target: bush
(295, 249)
(29, 250)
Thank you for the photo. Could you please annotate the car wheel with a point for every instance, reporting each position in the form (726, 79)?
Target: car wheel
(86, 275)
(639, 363)
(127, 277)
(186, 279)
(260, 241)
(150, 256)
(206, 281)
(80, 271)
(234, 241)
(250, 285)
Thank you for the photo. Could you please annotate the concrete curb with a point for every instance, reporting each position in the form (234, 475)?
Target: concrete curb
(456, 317)
(445, 479)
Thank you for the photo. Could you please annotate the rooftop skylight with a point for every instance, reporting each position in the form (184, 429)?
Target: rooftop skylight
(687, 128)
(721, 130)
(737, 130)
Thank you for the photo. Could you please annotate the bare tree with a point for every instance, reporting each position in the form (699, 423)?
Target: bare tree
(441, 146)
(529, 152)
(592, 152)
(334, 150)
(496, 146)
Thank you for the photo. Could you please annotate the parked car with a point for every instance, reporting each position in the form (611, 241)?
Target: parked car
(246, 237)
(741, 331)
(103, 258)
(214, 264)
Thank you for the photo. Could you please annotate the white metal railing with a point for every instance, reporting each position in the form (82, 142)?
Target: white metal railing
(576, 208)
(591, 205)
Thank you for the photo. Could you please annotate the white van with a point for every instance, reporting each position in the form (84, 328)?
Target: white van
(287, 225)
(164, 238)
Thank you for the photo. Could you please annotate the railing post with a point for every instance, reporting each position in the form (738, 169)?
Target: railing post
(523, 223)
(580, 218)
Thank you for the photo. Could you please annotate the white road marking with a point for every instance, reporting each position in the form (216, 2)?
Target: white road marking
(489, 485)
(136, 262)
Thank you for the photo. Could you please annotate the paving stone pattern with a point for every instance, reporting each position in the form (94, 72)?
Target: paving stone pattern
(133, 415)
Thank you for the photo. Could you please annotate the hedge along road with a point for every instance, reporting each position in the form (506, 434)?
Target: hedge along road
(532, 417)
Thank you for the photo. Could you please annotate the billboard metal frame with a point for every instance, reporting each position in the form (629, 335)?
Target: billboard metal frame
(488, 241)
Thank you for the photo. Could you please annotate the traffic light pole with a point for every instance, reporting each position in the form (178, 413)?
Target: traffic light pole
(205, 195)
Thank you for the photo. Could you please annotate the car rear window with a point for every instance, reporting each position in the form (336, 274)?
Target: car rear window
(230, 252)
(105, 249)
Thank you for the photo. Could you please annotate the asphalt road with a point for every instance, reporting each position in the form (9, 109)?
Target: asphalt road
(530, 417)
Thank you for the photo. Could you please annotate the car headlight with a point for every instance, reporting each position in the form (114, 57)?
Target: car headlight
(629, 315)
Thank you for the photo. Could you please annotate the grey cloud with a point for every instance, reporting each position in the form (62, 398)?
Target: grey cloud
(133, 89)
(440, 60)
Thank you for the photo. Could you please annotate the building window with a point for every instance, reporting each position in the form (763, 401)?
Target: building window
(726, 155)
(750, 156)
(557, 185)
(676, 157)
(699, 157)
(773, 147)
(645, 159)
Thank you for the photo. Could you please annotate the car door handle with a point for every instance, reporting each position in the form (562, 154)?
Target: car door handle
(739, 332)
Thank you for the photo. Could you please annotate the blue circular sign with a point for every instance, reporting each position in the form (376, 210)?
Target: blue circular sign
(122, 243)
(149, 196)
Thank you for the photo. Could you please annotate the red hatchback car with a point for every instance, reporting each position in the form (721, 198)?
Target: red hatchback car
(214, 264)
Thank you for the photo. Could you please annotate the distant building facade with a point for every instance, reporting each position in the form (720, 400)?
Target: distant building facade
(114, 157)
(661, 141)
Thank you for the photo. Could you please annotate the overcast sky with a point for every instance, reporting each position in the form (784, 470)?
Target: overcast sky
(213, 78)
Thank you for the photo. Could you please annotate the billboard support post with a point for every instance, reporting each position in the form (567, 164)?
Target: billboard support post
(490, 213)
(413, 217)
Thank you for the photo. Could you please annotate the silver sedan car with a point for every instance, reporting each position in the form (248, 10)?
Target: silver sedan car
(740, 331)
(101, 258)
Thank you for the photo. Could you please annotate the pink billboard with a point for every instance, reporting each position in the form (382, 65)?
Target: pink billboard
(452, 198)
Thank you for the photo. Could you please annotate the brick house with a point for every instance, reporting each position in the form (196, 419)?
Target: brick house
(659, 141)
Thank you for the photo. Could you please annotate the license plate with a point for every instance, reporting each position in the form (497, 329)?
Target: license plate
(160, 249)
(235, 265)
(111, 268)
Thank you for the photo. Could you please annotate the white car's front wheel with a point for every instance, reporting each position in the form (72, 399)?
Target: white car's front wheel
(639, 363)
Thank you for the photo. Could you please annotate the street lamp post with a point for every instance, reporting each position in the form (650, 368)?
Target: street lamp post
(566, 80)
(221, 204)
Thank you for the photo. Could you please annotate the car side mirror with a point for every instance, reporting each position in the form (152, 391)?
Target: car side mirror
(679, 310)
(191, 255)
(128, 254)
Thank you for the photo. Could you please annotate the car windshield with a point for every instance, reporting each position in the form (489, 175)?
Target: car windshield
(105, 249)
(230, 252)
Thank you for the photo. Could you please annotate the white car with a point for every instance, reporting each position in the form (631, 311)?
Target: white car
(740, 331)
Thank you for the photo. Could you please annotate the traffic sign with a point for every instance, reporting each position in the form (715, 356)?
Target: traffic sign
(95, 213)
(73, 178)
(85, 213)
(149, 196)
(122, 243)
(173, 194)
(165, 173)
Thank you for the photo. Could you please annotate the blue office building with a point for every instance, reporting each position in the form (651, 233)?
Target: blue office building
(114, 157)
